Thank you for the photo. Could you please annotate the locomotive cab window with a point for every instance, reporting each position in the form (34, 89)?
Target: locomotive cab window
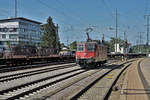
(90, 47)
(80, 47)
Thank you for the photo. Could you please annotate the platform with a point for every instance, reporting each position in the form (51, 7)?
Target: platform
(137, 81)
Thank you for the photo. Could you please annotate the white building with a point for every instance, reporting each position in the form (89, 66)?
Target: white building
(118, 49)
(121, 49)
(19, 31)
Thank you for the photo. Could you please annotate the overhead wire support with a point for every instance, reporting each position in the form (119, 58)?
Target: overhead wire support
(147, 18)
(15, 8)
(125, 42)
(116, 24)
(140, 41)
(116, 28)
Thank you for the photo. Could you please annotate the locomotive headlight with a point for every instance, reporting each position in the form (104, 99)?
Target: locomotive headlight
(85, 54)
(78, 57)
(91, 58)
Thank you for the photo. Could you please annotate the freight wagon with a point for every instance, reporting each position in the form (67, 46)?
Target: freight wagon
(26, 54)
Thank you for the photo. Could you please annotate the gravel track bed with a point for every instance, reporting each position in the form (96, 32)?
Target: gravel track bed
(25, 74)
(47, 92)
(76, 88)
(54, 80)
(35, 87)
(60, 89)
(98, 90)
(29, 70)
(20, 81)
(6, 69)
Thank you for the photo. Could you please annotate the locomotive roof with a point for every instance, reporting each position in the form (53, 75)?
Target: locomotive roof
(91, 42)
(87, 42)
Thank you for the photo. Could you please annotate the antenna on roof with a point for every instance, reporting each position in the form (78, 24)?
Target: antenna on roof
(15, 8)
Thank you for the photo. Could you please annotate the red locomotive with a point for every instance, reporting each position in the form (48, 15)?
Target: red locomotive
(92, 52)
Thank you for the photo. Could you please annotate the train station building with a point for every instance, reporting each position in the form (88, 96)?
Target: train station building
(19, 30)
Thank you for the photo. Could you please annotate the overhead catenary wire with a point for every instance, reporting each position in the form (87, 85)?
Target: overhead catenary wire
(4, 12)
(68, 28)
(59, 12)
(52, 8)
(75, 15)
(147, 7)
(107, 7)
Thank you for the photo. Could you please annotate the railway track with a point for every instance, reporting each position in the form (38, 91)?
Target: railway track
(28, 79)
(20, 74)
(26, 85)
(73, 88)
(4, 68)
(50, 84)
(100, 88)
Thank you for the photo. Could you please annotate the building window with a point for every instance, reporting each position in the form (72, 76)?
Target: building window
(8, 29)
(4, 36)
(3, 29)
(13, 36)
(3, 43)
(22, 30)
(12, 29)
(23, 24)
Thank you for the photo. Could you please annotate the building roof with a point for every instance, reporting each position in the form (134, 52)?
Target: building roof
(21, 18)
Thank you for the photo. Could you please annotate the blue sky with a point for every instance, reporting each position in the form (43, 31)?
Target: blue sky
(74, 16)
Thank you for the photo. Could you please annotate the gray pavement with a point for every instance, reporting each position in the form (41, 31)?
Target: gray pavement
(145, 68)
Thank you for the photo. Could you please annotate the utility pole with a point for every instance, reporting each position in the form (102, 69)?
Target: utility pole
(125, 36)
(67, 41)
(139, 47)
(125, 46)
(137, 43)
(140, 41)
(116, 23)
(147, 17)
(125, 42)
(116, 40)
(103, 39)
(15, 8)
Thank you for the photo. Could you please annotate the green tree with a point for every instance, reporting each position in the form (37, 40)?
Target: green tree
(142, 48)
(50, 36)
(112, 43)
(8, 44)
(107, 44)
(73, 45)
(62, 45)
